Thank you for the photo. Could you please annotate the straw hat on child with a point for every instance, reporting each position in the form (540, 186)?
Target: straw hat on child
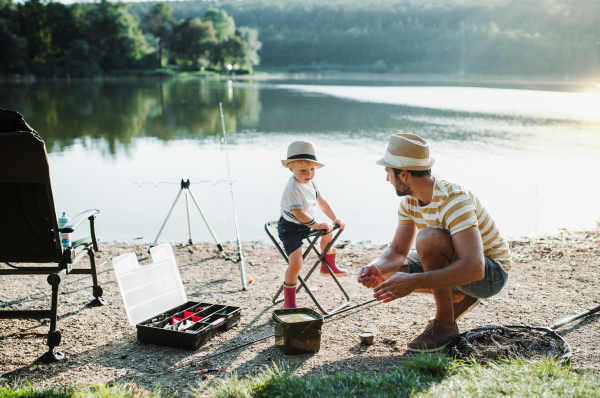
(407, 152)
(302, 150)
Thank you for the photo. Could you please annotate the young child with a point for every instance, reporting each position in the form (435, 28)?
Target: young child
(298, 202)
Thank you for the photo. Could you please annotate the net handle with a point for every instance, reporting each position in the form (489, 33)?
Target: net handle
(575, 317)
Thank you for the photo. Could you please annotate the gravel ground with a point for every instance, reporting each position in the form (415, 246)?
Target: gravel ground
(552, 277)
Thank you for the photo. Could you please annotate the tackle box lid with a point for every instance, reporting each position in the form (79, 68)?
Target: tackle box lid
(150, 289)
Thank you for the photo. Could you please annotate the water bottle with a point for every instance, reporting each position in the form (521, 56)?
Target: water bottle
(65, 237)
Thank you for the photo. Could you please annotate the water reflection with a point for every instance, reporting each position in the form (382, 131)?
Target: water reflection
(133, 131)
(117, 112)
(111, 114)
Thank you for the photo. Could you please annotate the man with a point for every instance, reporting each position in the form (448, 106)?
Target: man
(460, 255)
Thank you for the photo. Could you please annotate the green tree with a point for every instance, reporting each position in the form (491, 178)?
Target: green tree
(79, 61)
(48, 30)
(64, 27)
(192, 39)
(113, 34)
(11, 44)
(233, 51)
(36, 31)
(222, 23)
(250, 36)
(158, 22)
(556, 39)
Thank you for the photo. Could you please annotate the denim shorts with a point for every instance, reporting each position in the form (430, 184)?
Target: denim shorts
(493, 281)
(291, 234)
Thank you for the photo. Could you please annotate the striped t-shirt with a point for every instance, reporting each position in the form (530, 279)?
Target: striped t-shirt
(454, 208)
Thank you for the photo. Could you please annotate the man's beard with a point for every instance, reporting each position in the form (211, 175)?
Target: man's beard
(403, 190)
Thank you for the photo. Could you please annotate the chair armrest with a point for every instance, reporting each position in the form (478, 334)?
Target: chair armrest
(78, 219)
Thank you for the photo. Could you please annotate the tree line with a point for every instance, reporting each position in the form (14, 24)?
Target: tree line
(461, 37)
(464, 37)
(46, 38)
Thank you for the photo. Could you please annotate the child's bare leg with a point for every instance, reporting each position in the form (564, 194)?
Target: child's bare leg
(325, 240)
(293, 269)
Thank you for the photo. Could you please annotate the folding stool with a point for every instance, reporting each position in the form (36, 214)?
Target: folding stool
(315, 235)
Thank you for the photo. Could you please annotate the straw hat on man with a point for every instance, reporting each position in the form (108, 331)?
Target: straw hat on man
(460, 255)
(408, 152)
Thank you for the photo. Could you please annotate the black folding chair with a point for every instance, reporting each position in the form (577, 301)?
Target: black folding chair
(29, 232)
(311, 246)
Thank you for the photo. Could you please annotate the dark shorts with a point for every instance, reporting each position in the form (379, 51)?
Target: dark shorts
(292, 234)
(494, 280)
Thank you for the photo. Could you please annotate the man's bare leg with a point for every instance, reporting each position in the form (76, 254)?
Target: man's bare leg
(456, 294)
(435, 251)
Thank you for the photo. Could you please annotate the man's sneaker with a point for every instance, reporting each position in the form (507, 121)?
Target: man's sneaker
(465, 305)
(435, 337)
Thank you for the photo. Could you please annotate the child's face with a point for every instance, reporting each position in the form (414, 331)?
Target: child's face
(304, 173)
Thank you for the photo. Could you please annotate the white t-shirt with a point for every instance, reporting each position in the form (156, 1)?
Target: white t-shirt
(299, 196)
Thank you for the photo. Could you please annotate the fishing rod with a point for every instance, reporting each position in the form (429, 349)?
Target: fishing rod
(237, 230)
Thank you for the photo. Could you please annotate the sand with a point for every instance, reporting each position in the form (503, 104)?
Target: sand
(552, 277)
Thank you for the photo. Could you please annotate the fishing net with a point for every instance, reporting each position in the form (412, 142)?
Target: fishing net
(489, 343)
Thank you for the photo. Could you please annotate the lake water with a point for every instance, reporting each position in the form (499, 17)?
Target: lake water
(531, 153)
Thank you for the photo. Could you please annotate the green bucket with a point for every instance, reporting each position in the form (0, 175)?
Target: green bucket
(298, 330)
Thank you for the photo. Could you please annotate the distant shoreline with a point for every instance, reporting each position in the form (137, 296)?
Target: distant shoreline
(277, 74)
(445, 78)
(558, 234)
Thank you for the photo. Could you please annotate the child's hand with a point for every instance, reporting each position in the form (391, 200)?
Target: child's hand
(323, 225)
(339, 222)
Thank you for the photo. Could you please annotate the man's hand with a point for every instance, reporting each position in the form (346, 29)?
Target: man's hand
(399, 285)
(369, 276)
(339, 222)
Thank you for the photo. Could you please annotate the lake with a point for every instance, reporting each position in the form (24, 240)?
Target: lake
(530, 151)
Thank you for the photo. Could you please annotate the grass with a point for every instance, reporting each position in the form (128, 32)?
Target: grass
(424, 375)
(119, 390)
(517, 379)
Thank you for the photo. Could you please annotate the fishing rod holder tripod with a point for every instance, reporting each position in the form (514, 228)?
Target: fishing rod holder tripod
(185, 187)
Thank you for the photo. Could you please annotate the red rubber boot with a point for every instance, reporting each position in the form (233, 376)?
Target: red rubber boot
(330, 258)
(289, 296)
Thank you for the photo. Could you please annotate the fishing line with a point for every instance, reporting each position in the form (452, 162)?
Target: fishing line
(237, 231)
(372, 121)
